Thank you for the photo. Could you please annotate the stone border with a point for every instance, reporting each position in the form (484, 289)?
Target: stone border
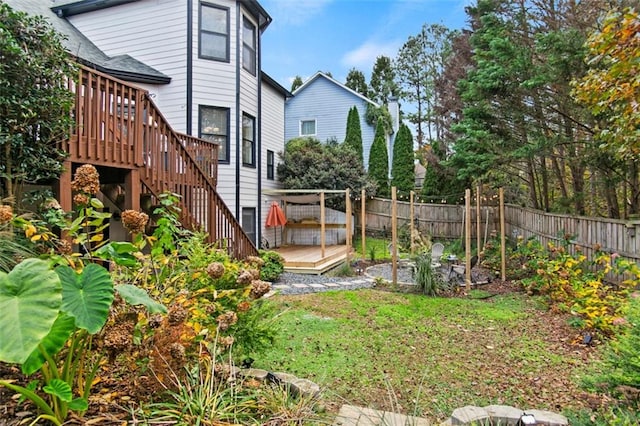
(504, 415)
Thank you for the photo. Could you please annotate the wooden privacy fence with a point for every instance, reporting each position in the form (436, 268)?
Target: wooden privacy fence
(612, 235)
(441, 221)
(444, 221)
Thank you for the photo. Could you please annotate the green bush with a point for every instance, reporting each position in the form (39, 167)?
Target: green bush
(273, 265)
(427, 278)
(621, 362)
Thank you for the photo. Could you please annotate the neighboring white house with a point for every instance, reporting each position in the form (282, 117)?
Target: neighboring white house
(200, 61)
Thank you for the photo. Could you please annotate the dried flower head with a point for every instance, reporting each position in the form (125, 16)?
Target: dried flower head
(64, 247)
(86, 180)
(155, 321)
(6, 213)
(176, 315)
(226, 320)
(215, 270)
(226, 341)
(177, 351)
(81, 199)
(259, 288)
(255, 260)
(245, 277)
(51, 203)
(134, 221)
(243, 306)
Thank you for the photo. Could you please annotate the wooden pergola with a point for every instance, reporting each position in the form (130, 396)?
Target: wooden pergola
(328, 256)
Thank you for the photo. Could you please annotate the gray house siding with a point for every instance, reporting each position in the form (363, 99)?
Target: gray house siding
(328, 103)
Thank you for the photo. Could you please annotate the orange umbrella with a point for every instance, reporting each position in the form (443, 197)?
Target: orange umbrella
(275, 217)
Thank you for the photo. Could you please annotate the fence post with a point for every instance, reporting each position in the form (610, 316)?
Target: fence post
(394, 236)
(363, 206)
(411, 216)
(467, 239)
(503, 254)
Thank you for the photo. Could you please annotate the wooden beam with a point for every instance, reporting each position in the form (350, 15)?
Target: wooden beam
(411, 219)
(394, 236)
(503, 254)
(322, 224)
(133, 189)
(467, 246)
(348, 235)
(62, 188)
(478, 224)
(363, 207)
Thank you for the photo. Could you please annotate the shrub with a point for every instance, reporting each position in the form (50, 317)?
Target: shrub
(428, 279)
(575, 285)
(273, 265)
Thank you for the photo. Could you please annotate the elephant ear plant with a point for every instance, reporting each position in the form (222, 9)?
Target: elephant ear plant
(47, 323)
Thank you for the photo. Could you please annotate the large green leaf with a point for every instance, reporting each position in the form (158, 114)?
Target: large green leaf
(51, 344)
(30, 298)
(86, 296)
(60, 389)
(137, 296)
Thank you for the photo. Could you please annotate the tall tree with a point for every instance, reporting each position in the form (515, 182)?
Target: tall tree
(35, 103)
(297, 82)
(611, 91)
(353, 138)
(611, 88)
(403, 175)
(417, 66)
(382, 85)
(357, 82)
(379, 161)
(307, 163)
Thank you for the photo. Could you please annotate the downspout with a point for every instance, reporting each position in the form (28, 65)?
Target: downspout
(238, 159)
(189, 66)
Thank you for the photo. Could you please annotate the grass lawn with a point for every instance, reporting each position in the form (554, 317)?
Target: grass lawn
(427, 356)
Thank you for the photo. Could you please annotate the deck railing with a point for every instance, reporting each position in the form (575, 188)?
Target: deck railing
(118, 125)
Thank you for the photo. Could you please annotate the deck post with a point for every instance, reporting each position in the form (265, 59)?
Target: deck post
(132, 190)
(62, 187)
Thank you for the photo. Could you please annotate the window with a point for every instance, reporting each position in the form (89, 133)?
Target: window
(270, 165)
(308, 128)
(248, 140)
(249, 222)
(214, 33)
(214, 127)
(248, 46)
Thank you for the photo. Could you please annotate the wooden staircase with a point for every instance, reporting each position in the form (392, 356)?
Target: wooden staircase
(121, 131)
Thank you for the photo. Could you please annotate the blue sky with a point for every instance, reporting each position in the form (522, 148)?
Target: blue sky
(307, 36)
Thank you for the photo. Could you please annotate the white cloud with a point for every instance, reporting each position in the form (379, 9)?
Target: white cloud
(294, 12)
(364, 56)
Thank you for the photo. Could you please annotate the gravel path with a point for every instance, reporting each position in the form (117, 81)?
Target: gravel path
(290, 283)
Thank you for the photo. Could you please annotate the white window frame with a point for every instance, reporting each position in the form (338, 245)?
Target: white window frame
(315, 127)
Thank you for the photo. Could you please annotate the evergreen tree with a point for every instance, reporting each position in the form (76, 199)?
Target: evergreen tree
(34, 101)
(297, 82)
(403, 173)
(356, 81)
(379, 161)
(382, 84)
(353, 138)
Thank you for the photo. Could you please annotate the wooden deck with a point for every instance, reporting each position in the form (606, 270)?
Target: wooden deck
(309, 259)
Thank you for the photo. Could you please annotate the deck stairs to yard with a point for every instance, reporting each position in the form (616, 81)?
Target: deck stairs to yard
(120, 131)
